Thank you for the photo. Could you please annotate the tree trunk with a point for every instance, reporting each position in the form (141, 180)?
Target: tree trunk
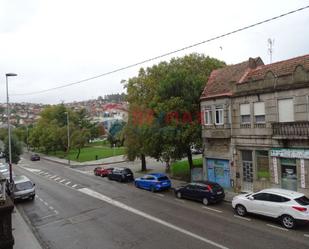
(168, 166)
(78, 153)
(190, 161)
(143, 159)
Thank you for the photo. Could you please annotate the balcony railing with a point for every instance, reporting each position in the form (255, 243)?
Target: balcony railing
(298, 129)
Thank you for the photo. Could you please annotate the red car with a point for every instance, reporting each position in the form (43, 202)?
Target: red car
(99, 171)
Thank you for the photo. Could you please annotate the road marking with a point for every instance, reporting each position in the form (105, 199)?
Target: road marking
(52, 177)
(56, 212)
(242, 218)
(280, 228)
(45, 203)
(62, 180)
(213, 209)
(58, 178)
(161, 195)
(47, 216)
(41, 199)
(113, 202)
(67, 183)
(306, 235)
(75, 185)
(182, 201)
(32, 170)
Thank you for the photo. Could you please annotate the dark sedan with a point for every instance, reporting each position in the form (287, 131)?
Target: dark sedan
(35, 157)
(121, 175)
(206, 192)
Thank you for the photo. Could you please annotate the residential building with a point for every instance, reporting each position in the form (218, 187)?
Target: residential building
(256, 125)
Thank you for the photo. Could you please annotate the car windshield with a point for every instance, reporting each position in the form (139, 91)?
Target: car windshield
(23, 186)
(163, 178)
(304, 201)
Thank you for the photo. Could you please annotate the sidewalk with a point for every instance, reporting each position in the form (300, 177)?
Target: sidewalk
(23, 235)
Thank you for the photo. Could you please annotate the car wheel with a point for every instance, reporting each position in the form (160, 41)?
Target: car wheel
(153, 189)
(205, 201)
(32, 197)
(136, 184)
(288, 221)
(240, 210)
(178, 195)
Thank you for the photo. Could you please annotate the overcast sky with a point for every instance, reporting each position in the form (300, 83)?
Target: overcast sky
(49, 43)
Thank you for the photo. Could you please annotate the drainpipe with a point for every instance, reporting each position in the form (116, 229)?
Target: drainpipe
(233, 146)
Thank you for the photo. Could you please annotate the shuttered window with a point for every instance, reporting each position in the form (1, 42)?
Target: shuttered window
(259, 112)
(286, 110)
(245, 113)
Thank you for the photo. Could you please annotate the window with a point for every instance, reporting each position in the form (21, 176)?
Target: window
(261, 197)
(277, 198)
(208, 116)
(219, 115)
(259, 112)
(302, 200)
(245, 113)
(286, 110)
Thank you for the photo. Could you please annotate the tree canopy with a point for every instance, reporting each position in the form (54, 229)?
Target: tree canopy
(164, 108)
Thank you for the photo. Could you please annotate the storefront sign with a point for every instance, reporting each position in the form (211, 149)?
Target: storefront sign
(302, 173)
(290, 153)
(275, 170)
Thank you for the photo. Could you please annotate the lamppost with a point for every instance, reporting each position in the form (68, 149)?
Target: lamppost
(9, 125)
(68, 134)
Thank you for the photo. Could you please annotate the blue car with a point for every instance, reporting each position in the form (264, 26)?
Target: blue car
(153, 182)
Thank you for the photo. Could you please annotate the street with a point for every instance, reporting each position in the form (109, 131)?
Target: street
(77, 210)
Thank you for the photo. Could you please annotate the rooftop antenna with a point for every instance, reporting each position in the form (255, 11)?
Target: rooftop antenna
(271, 43)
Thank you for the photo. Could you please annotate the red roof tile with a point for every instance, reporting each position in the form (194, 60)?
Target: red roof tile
(280, 68)
(220, 82)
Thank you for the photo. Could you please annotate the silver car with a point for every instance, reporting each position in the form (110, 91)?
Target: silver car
(24, 188)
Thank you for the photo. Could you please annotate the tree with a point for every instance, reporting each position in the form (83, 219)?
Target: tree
(16, 149)
(167, 98)
(115, 135)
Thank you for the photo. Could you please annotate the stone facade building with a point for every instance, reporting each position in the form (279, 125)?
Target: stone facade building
(256, 125)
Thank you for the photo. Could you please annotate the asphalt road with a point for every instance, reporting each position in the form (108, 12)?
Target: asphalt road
(75, 210)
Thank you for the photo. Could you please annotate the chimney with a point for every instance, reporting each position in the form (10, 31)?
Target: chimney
(252, 63)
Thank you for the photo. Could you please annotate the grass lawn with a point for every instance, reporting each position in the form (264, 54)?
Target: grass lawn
(90, 153)
(181, 168)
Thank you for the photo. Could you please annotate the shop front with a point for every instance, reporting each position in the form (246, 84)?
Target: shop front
(218, 170)
(290, 167)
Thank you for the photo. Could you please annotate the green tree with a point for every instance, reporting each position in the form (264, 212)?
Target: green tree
(16, 149)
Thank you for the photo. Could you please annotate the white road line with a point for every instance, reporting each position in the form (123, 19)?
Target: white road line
(161, 195)
(47, 216)
(62, 180)
(45, 174)
(280, 228)
(45, 203)
(58, 178)
(306, 235)
(56, 212)
(41, 199)
(48, 175)
(182, 201)
(75, 185)
(242, 218)
(52, 177)
(213, 209)
(32, 170)
(51, 208)
(67, 183)
(113, 202)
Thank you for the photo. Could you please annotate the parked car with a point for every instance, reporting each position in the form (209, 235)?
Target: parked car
(4, 168)
(35, 157)
(2, 155)
(205, 191)
(153, 182)
(23, 189)
(121, 175)
(100, 171)
(288, 206)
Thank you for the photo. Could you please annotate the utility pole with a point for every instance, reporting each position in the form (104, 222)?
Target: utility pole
(271, 43)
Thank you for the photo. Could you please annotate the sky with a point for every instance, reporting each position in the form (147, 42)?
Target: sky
(50, 43)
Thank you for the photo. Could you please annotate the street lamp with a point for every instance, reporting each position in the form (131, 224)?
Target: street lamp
(68, 134)
(9, 126)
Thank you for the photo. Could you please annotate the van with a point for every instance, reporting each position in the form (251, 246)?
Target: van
(24, 188)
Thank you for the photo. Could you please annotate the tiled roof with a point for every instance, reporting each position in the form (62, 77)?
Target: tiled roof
(280, 68)
(220, 82)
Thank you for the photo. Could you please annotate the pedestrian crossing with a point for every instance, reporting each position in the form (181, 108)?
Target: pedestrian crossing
(53, 177)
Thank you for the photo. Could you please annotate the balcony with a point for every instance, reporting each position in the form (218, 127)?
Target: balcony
(291, 130)
(216, 131)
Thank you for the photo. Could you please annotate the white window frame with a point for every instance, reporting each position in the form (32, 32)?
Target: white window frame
(259, 111)
(208, 116)
(245, 110)
(220, 111)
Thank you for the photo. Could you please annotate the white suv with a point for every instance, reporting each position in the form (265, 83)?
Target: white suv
(289, 206)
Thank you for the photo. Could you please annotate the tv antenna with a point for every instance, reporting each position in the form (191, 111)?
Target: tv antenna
(271, 44)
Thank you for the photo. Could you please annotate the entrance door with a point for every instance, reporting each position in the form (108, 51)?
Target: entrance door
(219, 171)
(288, 174)
(247, 171)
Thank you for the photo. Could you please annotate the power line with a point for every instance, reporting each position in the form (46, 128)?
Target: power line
(166, 54)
